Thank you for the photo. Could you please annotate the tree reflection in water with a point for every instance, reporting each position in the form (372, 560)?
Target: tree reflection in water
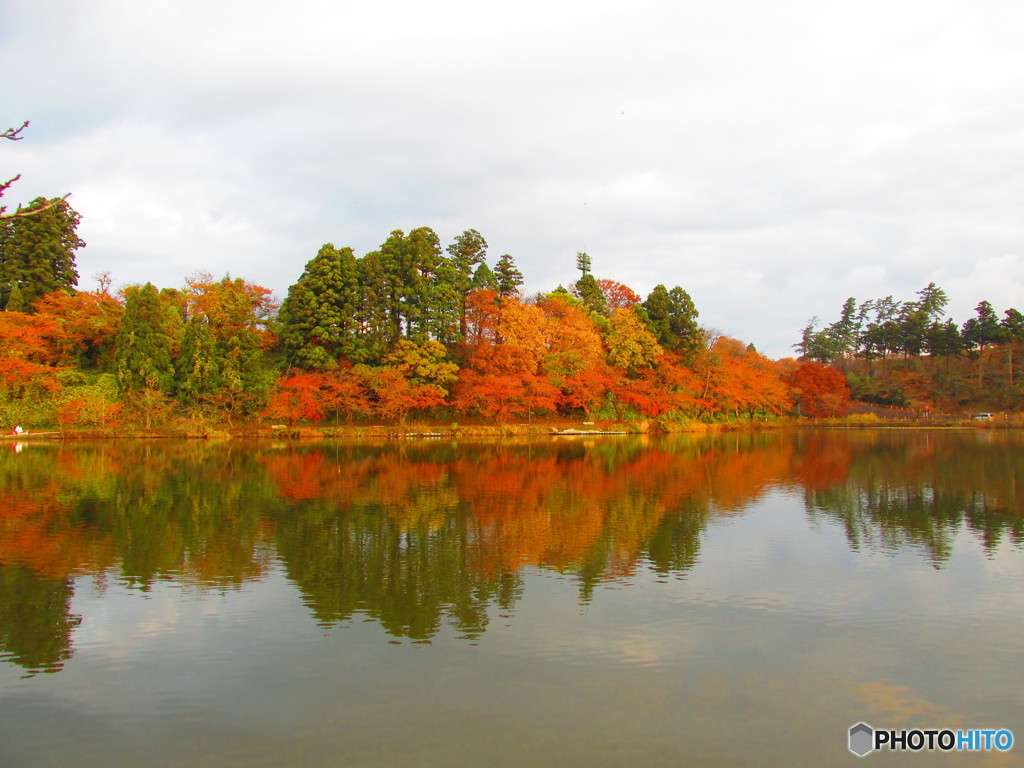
(419, 535)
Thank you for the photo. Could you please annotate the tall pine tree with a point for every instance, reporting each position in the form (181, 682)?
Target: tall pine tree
(508, 277)
(672, 318)
(37, 251)
(143, 358)
(319, 318)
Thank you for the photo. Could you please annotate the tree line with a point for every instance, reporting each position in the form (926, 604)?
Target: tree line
(408, 328)
(884, 327)
(910, 354)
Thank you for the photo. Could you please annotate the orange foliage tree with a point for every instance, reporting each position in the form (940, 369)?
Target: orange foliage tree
(820, 389)
(617, 295)
(393, 395)
(31, 337)
(575, 360)
(737, 379)
(87, 321)
(503, 378)
(666, 387)
(311, 395)
(502, 382)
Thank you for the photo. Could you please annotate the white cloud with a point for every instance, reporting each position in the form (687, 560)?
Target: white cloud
(772, 159)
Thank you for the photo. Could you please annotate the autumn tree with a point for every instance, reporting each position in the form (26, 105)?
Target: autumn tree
(228, 322)
(88, 321)
(737, 379)
(576, 358)
(667, 387)
(502, 381)
(820, 390)
(617, 295)
(311, 395)
(503, 376)
(393, 394)
(482, 308)
(424, 363)
(34, 338)
(630, 344)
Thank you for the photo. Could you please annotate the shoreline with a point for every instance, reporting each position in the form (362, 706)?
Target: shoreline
(566, 428)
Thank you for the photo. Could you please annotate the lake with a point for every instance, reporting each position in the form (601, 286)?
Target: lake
(740, 599)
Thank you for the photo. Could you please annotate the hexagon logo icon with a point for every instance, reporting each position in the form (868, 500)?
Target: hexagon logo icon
(862, 739)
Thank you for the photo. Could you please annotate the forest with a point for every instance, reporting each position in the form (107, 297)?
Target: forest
(909, 354)
(411, 329)
(417, 330)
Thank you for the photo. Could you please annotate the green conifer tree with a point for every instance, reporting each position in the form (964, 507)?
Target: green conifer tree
(197, 373)
(672, 319)
(508, 277)
(484, 278)
(37, 252)
(319, 318)
(468, 251)
(589, 292)
(143, 358)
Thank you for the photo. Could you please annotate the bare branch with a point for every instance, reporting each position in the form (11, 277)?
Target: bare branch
(13, 133)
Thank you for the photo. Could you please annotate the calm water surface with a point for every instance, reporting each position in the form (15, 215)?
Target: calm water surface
(739, 600)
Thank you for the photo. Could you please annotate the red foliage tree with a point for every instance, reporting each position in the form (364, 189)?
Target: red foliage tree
(617, 295)
(668, 386)
(502, 382)
(393, 396)
(821, 390)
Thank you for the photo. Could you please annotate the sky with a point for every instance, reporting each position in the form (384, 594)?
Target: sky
(772, 159)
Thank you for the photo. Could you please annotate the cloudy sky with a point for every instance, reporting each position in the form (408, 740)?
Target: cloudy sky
(770, 158)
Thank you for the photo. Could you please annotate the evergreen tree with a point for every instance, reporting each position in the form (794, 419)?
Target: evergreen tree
(508, 277)
(983, 329)
(446, 321)
(37, 251)
(673, 321)
(484, 279)
(1013, 325)
(410, 265)
(196, 371)
(143, 357)
(376, 331)
(843, 336)
(468, 251)
(943, 339)
(15, 301)
(589, 292)
(319, 318)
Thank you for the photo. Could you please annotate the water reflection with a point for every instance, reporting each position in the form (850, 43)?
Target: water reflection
(416, 536)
